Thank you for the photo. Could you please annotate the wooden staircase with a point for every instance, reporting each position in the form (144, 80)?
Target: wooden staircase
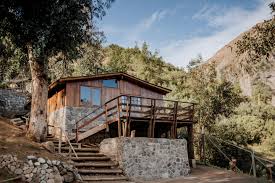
(92, 165)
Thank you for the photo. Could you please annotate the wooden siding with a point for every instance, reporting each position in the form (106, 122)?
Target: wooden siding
(73, 93)
(56, 102)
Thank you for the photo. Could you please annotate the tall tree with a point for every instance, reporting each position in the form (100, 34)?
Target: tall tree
(44, 29)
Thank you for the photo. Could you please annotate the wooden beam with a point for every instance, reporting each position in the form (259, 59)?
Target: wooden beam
(118, 118)
(151, 121)
(91, 132)
(190, 143)
(129, 102)
(154, 118)
(175, 119)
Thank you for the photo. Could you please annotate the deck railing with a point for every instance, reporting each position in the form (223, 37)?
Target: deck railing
(126, 107)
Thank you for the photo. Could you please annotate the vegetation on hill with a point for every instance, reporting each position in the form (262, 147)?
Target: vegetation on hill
(221, 108)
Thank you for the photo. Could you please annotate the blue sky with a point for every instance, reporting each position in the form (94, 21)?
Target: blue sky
(181, 29)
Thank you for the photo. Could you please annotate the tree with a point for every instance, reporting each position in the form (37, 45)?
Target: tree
(258, 46)
(43, 29)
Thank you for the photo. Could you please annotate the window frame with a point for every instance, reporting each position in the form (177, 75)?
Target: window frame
(91, 96)
(116, 80)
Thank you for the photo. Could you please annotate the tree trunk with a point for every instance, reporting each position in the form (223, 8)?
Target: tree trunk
(38, 118)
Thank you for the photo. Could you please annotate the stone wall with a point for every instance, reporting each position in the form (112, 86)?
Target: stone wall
(66, 118)
(41, 170)
(12, 103)
(148, 158)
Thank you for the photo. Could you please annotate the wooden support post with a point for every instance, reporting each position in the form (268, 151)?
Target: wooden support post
(174, 125)
(123, 129)
(233, 165)
(253, 163)
(151, 120)
(70, 152)
(106, 118)
(133, 133)
(118, 118)
(269, 171)
(190, 144)
(129, 115)
(60, 141)
(154, 118)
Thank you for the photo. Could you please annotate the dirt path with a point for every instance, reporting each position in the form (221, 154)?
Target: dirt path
(204, 174)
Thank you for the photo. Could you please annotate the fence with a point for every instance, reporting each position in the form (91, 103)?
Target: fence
(211, 150)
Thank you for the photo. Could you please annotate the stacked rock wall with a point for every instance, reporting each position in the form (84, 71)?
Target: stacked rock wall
(12, 103)
(148, 158)
(66, 118)
(39, 169)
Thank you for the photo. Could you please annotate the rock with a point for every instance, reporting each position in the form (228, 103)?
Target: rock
(31, 157)
(49, 170)
(41, 160)
(12, 168)
(49, 145)
(30, 162)
(69, 177)
(49, 162)
(18, 171)
(28, 171)
(37, 164)
(45, 166)
(50, 181)
(58, 178)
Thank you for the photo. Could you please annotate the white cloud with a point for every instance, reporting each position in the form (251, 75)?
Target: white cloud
(133, 33)
(228, 25)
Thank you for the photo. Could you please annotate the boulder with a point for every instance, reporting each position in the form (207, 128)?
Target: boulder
(49, 145)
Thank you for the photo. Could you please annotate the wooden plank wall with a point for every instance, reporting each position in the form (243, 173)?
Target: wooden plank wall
(73, 93)
(56, 102)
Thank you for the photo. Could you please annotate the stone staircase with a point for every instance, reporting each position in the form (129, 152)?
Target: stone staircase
(92, 165)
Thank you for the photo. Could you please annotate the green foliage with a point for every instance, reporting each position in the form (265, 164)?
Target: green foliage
(258, 46)
(241, 129)
(48, 28)
(261, 92)
(12, 60)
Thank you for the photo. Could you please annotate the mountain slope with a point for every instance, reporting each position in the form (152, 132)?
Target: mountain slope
(228, 66)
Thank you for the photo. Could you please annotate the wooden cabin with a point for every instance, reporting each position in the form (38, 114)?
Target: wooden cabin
(115, 104)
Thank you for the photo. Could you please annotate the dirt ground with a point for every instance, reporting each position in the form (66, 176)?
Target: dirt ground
(13, 141)
(203, 174)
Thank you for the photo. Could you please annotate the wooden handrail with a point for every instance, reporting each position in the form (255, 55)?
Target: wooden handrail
(128, 111)
(60, 139)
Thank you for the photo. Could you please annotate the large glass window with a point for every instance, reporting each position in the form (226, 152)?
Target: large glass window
(110, 83)
(90, 96)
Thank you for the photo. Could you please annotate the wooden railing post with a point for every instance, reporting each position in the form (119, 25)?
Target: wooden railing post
(76, 132)
(128, 121)
(153, 120)
(118, 118)
(60, 139)
(106, 118)
(174, 125)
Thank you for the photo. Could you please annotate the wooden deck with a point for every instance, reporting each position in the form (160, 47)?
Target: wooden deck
(148, 118)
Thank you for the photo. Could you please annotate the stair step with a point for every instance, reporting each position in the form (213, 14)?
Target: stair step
(105, 164)
(99, 171)
(80, 149)
(103, 158)
(103, 178)
(80, 154)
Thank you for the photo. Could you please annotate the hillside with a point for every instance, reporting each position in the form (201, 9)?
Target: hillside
(228, 65)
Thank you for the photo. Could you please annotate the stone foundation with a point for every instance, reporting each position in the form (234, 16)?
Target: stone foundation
(66, 118)
(148, 158)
